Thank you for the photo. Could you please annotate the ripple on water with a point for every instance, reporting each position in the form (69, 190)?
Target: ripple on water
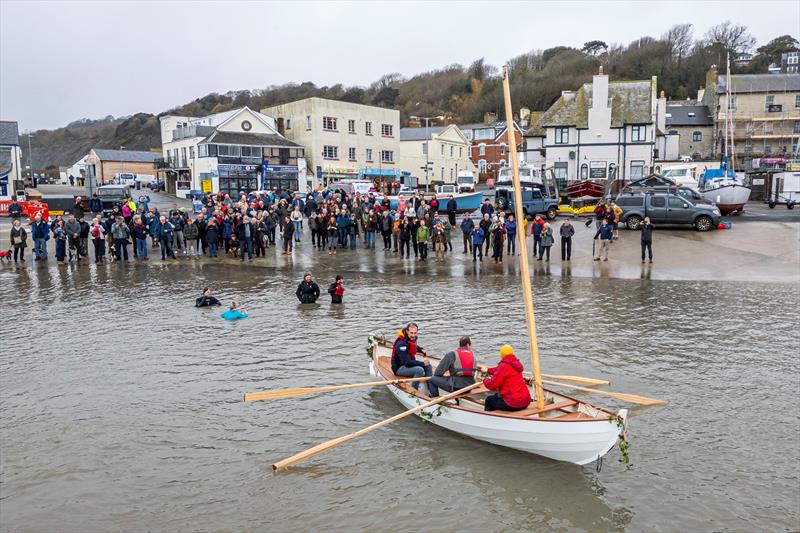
(123, 396)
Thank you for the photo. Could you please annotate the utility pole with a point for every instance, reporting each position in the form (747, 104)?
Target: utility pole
(427, 144)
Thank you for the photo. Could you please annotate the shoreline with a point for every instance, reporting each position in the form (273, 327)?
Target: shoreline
(752, 251)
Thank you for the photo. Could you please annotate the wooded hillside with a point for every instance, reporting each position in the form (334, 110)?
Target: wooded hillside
(461, 93)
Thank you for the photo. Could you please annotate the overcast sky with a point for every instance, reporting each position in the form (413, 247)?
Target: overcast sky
(65, 60)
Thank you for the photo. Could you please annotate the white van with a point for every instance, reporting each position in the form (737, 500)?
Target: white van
(362, 187)
(466, 181)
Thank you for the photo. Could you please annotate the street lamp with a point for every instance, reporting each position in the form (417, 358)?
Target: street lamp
(427, 139)
(30, 160)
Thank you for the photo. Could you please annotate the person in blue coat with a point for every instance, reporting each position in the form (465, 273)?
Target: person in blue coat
(227, 232)
(234, 313)
(511, 235)
(478, 236)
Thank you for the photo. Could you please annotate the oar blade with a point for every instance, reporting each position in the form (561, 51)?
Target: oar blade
(579, 379)
(278, 394)
(311, 452)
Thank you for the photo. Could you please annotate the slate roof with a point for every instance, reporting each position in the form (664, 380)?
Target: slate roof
(678, 115)
(249, 139)
(419, 134)
(629, 102)
(132, 156)
(9, 132)
(759, 83)
(6, 163)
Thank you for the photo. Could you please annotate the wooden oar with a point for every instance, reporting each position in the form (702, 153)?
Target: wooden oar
(325, 446)
(277, 394)
(576, 379)
(632, 398)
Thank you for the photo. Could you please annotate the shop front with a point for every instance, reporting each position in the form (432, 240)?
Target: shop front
(280, 178)
(328, 175)
(235, 178)
(383, 178)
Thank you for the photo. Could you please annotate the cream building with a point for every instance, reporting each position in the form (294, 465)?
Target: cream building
(604, 130)
(233, 151)
(445, 149)
(342, 139)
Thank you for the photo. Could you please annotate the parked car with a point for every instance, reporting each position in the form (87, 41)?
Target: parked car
(111, 195)
(533, 202)
(665, 208)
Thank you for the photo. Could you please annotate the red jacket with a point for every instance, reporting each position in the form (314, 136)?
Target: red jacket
(507, 376)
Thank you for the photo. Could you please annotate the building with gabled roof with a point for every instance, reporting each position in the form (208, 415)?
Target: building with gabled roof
(694, 124)
(229, 152)
(107, 163)
(603, 130)
(444, 150)
(10, 158)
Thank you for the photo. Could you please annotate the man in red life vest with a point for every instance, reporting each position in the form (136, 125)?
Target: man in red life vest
(404, 351)
(336, 290)
(459, 367)
(513, 394)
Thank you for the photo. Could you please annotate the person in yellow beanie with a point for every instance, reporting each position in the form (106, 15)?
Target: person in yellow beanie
(513, 394)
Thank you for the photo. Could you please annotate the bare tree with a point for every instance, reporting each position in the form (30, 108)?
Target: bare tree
(680, 40)
(729, 38)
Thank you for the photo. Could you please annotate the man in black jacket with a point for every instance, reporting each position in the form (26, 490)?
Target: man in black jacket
(466, 229)
(308, 291)
(245, 234)
(452, 206)
(567, 230)
(647, 238)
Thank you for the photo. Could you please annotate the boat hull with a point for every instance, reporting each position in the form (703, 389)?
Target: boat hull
(578, 442)
(728, 198)
(465, 202)
(586, 188)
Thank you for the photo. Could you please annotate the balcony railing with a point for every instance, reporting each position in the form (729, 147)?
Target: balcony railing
(192, 131)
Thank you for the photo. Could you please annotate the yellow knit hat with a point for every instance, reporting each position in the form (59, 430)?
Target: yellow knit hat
(506, 350)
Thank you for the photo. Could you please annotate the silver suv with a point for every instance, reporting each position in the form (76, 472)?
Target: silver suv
(665, 208)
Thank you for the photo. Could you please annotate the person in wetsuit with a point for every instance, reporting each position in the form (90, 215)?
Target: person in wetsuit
(308, 291)
(206, 300)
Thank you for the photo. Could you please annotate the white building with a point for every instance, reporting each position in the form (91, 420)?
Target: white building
(603, 130)
(444, 149)
(77, 170)
(10, 154)
(238, 150)
(343, 139)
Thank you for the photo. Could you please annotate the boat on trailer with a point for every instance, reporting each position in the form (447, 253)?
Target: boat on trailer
(566, 429)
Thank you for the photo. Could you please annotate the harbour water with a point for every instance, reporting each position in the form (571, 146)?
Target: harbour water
(122, 407)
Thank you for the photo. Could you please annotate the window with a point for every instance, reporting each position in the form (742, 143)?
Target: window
(351, 126)
(481, 165)
(460, 152)
(442, 149)
(630, 201)
(451, 174)
(386, 130)
(658, 201)
(697, 136)
(425, 148)
(202, 150)
(797, 100)
(369, 155)
(767, 149)
(770, 101)
(183, 156)
(560, 171)
(502, 148)
(441, 173)
(638, 133)
(191, 148)
(288, 123)
(637, 170)
(235, 151)
(797, 126)
(792, 59)
(330, 152)
(451, 150)
(351, 154)
(368, 128)
(768, 127)
(481, 149)
(676, 202)
(308, 122)
(329, 123)
(562, 135)
(584, 171)
(387, 156)
(733, 102)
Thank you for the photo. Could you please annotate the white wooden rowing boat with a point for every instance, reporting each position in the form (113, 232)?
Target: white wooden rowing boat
(567, 429)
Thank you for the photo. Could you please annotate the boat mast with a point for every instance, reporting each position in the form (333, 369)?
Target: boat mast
(729, 116)
(727, 108)
(527, 289)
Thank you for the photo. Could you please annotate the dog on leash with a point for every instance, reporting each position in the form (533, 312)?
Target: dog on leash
(5, 255)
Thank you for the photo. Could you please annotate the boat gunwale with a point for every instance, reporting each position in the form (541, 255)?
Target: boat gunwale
(379, 367)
